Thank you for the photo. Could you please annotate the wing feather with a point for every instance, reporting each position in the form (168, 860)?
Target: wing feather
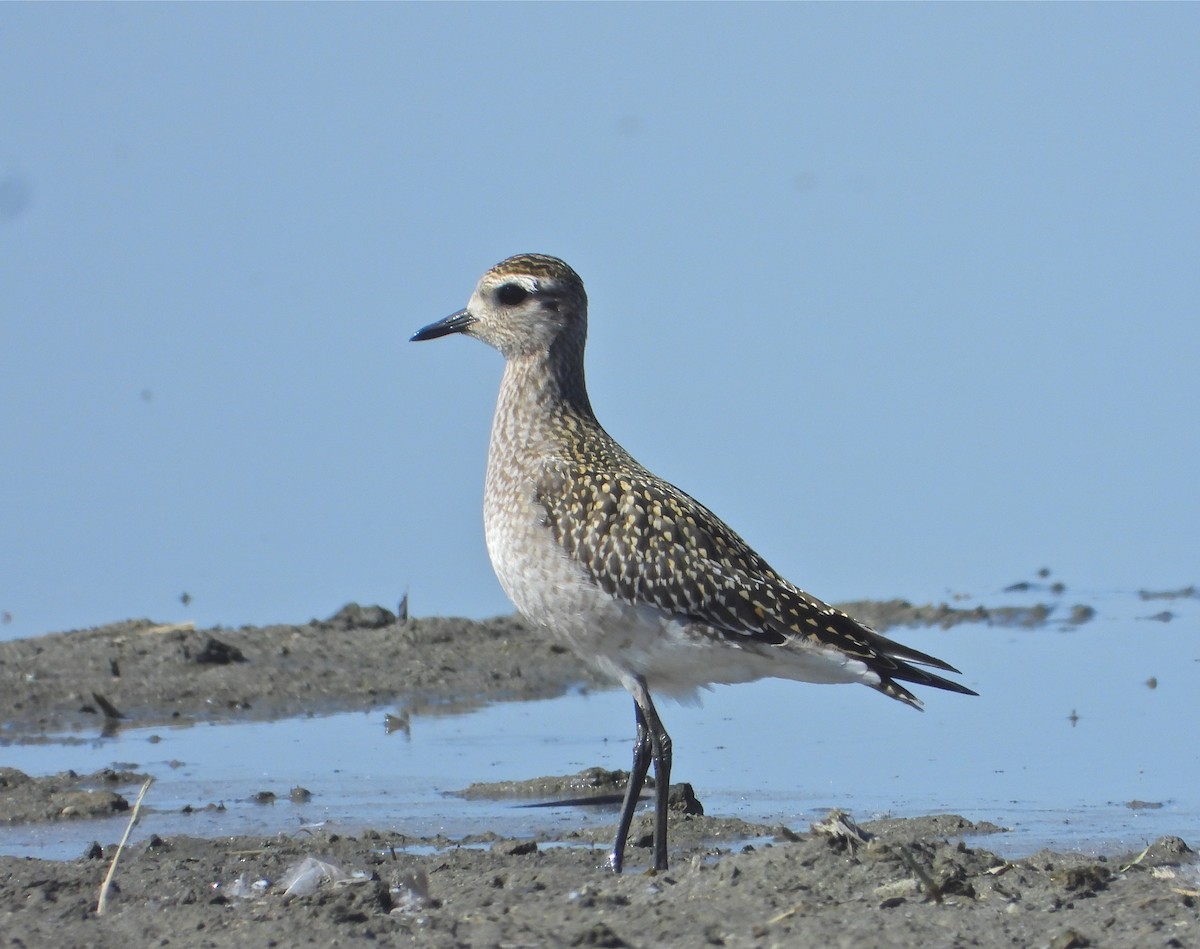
(646, 542)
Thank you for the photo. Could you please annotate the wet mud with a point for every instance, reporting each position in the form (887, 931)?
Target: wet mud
(903, 882)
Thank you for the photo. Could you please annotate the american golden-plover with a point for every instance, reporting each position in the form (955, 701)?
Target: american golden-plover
(640, 579)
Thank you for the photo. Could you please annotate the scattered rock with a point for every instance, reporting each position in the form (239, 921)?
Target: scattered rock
(598, 936)
(515, 848)
(353, 616)
(63, 796)
(681, 799)
(1081, 613)
(1183, 593)
(217, 653)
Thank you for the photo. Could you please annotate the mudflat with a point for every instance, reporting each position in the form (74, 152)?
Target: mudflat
(913, 882)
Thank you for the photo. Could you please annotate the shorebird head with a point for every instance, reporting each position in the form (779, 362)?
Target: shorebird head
(523, 307)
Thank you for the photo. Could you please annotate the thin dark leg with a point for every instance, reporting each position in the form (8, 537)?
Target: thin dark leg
(652, 743)
(661, 749)
(642, 747)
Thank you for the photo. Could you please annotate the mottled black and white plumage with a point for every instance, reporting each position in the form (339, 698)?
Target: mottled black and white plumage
(636, 576)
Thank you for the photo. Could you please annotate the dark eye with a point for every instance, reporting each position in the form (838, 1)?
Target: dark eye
(510, 294)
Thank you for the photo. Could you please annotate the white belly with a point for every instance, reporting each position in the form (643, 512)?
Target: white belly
(675, 656)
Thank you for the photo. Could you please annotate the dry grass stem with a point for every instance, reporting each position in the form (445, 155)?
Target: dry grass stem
(102, 903)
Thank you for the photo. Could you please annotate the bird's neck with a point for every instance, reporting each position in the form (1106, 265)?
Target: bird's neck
(541, 387)
(542, 413)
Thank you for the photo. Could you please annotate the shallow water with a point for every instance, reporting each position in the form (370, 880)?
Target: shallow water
(1065, 734)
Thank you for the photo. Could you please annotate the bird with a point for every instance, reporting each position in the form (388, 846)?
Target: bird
(641, 580)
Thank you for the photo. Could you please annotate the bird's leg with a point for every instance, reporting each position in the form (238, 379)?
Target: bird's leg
(652, 744)
(642, 750)
(660, 743)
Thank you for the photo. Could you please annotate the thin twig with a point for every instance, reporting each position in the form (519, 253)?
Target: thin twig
(112, 869)
(1135, 861)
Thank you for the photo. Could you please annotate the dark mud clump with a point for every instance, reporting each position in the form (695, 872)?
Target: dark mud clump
(65, 796)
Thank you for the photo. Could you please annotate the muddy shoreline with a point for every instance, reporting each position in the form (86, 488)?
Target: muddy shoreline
(916, 882)
(140, 672)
